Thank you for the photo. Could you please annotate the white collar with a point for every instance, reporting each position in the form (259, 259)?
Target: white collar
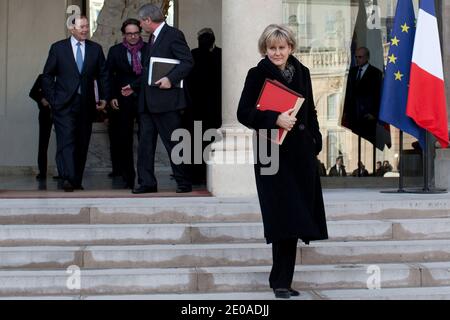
(364, 67)
(75, 41)
(158, 30)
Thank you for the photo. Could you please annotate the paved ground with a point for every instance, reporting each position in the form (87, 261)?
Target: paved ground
(96, 185)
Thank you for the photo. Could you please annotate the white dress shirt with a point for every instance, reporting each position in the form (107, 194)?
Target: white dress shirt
(158, 30)
(74, 42)
(363, 69)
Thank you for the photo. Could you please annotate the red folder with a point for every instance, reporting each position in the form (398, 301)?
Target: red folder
(275, 96)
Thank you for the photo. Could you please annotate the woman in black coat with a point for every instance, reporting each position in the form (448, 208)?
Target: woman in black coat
(291, 200)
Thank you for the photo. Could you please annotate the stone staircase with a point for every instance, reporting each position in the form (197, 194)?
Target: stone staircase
(209, 248)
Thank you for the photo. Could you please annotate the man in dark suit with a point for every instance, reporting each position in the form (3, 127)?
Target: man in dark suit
(362, 98)
(125, 67)
(338, 170)
(68, 83)
(45, 127)
(161, 104)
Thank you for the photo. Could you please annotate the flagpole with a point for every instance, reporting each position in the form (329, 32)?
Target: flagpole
(374, 160)
(401, 166)
(359, 155)
(426, 185)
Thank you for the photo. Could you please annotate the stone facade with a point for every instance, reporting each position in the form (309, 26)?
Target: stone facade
(21, 21)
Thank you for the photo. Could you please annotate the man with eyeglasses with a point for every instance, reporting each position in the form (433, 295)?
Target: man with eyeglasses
(68, 84)
(362, 98)
(125, 67)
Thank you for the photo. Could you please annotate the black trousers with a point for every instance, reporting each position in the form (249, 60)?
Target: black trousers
(73, 126)
(45, 131)
(121, 137)
(150, 125)
(284, 255)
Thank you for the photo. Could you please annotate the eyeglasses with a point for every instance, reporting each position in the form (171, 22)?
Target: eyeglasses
(359, 57)
(133, 34)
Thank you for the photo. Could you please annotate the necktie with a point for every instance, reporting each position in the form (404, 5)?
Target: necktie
(79, 57)
(152, 40)
(358, 77)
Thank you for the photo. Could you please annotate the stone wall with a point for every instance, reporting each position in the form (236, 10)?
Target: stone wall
(27, 28)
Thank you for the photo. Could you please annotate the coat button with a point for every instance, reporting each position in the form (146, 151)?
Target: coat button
(301, 127)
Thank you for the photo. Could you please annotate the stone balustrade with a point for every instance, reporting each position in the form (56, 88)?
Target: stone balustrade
(326, 61)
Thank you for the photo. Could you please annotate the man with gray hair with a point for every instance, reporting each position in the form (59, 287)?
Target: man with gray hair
(160, 103)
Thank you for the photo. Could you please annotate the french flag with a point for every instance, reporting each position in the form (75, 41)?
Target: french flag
(427, 104)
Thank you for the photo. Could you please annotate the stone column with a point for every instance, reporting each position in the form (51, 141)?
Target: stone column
(3, 54)
(442, 161)
(242, 24)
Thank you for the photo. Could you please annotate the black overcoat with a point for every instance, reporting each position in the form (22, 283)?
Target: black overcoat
(291, 200)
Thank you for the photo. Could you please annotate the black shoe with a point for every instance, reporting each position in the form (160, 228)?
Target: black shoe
(41, 177)
(80, 187)
(68, 187)
(282, 293)
(293, 293)
(184, 189)
(57, 178)
(142, 190)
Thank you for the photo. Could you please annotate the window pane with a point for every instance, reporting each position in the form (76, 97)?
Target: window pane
(332, 107)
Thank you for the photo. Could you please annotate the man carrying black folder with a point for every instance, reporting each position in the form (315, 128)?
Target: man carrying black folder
(162, 101)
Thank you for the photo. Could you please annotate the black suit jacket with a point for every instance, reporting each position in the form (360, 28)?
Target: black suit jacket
(61, 78)
(362, 100)
(170, 44)
(120, 70)
(36, 92)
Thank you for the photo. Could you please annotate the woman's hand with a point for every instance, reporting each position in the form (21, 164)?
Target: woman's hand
(127, 91)
(286, 120)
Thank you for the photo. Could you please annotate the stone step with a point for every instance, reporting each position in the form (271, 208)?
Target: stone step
(376, 252)
(408, 293)
(418, 293)
(209, 255)
(354, 205)
(128, 211)
(81, 235)
(150, 256)
(214, 280)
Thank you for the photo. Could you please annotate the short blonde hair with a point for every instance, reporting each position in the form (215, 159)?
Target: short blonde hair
(274, 33)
